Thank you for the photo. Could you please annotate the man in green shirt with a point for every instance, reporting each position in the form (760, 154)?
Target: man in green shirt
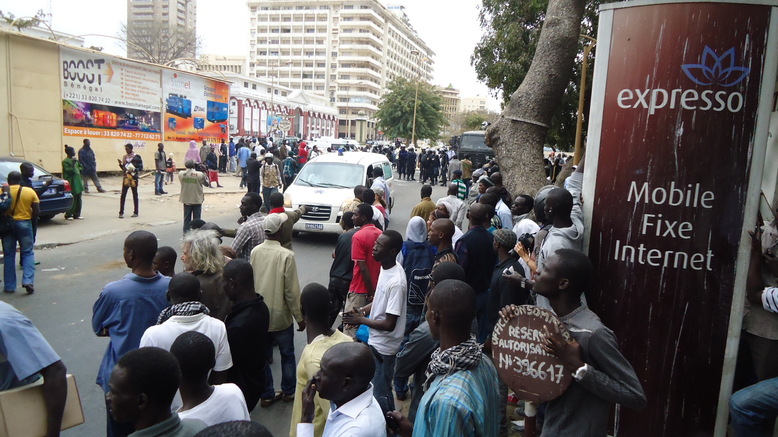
(71, 172)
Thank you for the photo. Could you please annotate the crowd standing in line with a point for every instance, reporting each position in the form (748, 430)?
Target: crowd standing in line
(191, 350)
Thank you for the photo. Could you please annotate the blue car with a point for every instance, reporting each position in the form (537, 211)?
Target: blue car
(53, 192)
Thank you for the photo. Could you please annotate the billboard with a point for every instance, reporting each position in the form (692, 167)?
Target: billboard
(675, 118)
(196, 108)
(106, 97)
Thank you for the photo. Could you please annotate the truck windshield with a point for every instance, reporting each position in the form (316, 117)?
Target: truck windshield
(475, 143)
(330, 175)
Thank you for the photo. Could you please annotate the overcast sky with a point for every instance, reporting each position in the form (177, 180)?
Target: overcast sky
(450, 31)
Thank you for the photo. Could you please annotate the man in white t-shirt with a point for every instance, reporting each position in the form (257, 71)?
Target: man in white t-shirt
(211, 404)
(187, 313)
(387, 314)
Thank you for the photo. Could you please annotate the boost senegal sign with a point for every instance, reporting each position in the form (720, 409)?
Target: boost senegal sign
(678, 89)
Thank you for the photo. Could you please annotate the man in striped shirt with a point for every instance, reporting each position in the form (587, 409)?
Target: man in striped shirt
(461, 187)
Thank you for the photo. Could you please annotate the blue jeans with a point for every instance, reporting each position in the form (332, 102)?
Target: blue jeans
(412, 321)
(482, 315)
(266, 192)
(21, 233)
(244, 173)
(285, 340)
(382, 379)
(159, 181)
(753, 409)
(191, 212)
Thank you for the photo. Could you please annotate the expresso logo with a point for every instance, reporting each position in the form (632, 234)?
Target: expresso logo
(712, 70)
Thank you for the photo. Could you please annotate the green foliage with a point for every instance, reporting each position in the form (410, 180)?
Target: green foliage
(395, 111)
(474, 120)
(503, 56)
(23, 22)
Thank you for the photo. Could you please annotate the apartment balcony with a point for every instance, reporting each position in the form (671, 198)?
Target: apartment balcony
(360, 72)
(359, 37)
(357, 13)
(358, 47)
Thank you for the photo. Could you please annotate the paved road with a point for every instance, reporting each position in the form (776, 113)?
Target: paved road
(70, 278)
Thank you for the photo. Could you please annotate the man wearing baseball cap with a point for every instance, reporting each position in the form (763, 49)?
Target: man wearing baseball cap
(275, 278)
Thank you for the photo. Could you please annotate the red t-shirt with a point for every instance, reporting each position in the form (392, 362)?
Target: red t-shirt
(303, 154)
(362, 250)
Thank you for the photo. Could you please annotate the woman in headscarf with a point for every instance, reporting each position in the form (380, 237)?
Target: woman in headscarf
(193, 153)
(417, 258)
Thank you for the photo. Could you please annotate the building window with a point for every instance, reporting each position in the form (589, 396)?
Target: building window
(245, 84)
(253, 86)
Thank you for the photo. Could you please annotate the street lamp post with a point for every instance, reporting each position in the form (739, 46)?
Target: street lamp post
(415, 54)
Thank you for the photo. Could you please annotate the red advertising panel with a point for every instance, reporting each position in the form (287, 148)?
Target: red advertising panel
(678, 124)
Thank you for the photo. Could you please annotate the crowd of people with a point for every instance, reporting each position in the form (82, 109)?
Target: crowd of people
(189, 349)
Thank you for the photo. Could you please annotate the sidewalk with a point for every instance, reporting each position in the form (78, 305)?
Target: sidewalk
(101, 210)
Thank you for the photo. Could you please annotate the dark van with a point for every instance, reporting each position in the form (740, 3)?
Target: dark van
(473, 143)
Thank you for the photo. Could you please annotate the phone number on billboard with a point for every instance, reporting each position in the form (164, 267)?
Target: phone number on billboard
(88, 98)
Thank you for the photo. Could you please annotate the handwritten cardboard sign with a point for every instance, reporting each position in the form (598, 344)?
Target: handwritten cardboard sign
(532, 373)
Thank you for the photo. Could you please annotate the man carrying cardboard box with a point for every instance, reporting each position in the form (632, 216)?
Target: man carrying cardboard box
(25, 356)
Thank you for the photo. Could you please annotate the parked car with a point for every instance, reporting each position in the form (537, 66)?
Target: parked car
(54, 192)
(326, 182)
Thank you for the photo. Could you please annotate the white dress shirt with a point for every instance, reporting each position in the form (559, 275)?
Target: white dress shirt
(359, 417)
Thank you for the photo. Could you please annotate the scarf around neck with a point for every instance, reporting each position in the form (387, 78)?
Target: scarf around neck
(182, 309)
(463, 356)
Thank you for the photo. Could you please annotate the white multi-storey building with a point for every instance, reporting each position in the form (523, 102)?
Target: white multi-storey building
(347, 51)
(170, 19)
(470, 104)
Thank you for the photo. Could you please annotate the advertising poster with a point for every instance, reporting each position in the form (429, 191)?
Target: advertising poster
(679, 106)
(105, 97)
(196, 108)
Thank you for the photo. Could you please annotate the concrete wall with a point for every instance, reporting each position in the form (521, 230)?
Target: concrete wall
(31, 114)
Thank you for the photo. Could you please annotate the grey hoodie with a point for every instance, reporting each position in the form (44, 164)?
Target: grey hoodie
(564, 238)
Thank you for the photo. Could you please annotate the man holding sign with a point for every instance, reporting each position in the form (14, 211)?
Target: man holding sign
(602, 375)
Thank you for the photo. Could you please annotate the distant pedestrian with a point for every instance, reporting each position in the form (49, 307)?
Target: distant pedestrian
(270, 178)
(160, 164)
(192, 153)
(170, 168)
(252, 174)
(243, 155)
(223, 157)
(86, 156)
(24, 209)
(191, 195)
(205, 149)
(71, 172)
(233, 152)
(125, 308)
(131, 164)
(212, 164)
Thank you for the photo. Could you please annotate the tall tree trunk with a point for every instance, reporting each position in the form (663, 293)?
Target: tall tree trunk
(518, 136)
